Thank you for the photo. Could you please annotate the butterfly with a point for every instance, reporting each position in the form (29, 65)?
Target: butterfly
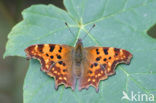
(88, 65)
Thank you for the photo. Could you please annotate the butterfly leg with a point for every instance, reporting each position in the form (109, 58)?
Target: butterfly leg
(104, 67)
(51, 66)
(48, 69)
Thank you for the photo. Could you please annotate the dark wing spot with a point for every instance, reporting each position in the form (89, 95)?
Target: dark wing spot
(90, 72)
(41, 51)
(91, 66)
(51, 57)
(60, 49)
(40, 47)
(104, 59)
(109, 58)
(95, 64)
(58, 57)
(105, 51)
(47, 55)
(64, 64)
(116, 49)
(64, 70)
(98, 58)
(52, 48)
(60, 62)
(97, 51)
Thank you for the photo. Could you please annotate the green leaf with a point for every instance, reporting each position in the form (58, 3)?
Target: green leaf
(119, 23)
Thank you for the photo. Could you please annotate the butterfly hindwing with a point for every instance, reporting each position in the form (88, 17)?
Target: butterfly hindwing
(99, 63)
(55, 61)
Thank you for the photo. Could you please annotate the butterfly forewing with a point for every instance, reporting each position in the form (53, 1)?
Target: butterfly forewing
(55, 60)
(99, 63)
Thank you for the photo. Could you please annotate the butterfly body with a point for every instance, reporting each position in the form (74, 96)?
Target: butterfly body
(88, 65)
(78, 57)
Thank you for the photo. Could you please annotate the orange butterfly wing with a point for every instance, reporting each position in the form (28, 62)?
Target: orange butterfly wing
(55, 60)
(99, 63)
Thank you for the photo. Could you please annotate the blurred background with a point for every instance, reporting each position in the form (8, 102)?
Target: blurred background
(13, 69)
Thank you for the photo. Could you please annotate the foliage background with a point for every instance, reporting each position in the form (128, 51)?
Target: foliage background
(13, 69)
(11, 74)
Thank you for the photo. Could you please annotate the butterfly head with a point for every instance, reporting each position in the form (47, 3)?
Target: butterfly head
(79, 42)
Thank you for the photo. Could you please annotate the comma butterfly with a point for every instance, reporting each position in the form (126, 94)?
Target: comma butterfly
(67, 64)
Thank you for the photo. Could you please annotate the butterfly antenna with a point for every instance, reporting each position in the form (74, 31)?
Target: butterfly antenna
(89, 31)
(70, 29)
